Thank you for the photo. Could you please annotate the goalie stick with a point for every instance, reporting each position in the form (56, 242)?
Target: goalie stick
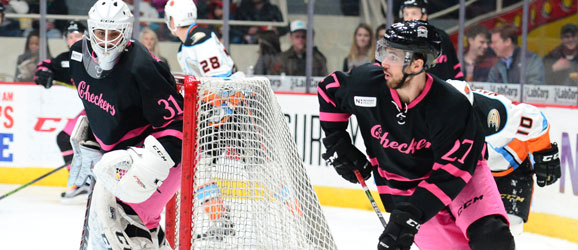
(85, 231)
(33, 181)
(370, 197)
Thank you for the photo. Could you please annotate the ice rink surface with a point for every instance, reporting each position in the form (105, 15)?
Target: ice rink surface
(36, 219)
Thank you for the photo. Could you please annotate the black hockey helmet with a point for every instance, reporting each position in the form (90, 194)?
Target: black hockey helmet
(74, 26)
(421, 4)
(411, 37)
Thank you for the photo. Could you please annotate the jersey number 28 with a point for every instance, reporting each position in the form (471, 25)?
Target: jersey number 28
(214, 64)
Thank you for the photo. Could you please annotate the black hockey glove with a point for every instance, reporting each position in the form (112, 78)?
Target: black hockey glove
(547, 166)
(43, 77)
(403, 225)
(345, 157)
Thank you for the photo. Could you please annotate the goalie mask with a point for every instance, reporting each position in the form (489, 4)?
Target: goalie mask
(110, 29)
(183, 13)
(414, 39)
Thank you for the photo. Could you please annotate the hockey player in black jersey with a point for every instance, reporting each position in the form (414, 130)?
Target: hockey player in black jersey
(135, 114)
(447, 64)
(424, 146)
(57, 70)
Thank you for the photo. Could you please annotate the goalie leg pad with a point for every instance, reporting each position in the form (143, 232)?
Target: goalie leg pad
(111, 227)
(86, 152)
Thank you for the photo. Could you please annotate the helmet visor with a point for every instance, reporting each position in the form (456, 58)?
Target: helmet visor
(386, 54)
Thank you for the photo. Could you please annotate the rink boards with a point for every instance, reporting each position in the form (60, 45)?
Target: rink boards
(31, 117)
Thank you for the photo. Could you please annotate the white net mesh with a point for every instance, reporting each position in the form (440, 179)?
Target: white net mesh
(251, 190)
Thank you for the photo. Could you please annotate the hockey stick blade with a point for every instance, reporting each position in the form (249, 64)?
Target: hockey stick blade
(33, 181)
(370, 197)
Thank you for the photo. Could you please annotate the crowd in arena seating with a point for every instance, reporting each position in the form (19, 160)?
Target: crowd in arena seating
(491, 55)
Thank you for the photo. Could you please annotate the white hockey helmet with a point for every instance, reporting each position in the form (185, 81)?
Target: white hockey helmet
(183, 12)
(110, 29)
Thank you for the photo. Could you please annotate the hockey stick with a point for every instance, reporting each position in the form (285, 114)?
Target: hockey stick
(85, 231)
(370, 197)
(33, 181)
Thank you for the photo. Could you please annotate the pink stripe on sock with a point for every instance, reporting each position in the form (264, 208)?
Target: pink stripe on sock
(67, 152)
(458, 65)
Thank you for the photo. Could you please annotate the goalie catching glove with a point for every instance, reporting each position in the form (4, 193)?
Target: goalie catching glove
(345, 157)
(133, 175)
(547, 166)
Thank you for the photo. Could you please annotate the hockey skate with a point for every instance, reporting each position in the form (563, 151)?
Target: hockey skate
(76, 194)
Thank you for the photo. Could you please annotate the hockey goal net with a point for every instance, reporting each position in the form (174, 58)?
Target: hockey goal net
(243, 184)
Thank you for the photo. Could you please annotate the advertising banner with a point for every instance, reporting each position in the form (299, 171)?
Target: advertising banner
(30, 119)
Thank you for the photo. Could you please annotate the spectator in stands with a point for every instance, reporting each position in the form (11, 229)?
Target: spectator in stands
(362, 49)
(216, 13)
(269, 49)
(255, 10)
(54, 28)
(507, 68)
(292, 61)
(150, 40)
(380, 32)
(26, 62)
(146, 11)
(478, 59)
(562, 62)
(159, 5)
(9, 27)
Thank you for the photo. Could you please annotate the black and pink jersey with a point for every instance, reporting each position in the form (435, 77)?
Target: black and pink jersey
(136, 99)
(425, 151)
(59, 66)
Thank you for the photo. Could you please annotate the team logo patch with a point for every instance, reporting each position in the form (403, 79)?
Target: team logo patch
(65, 64)
(422, 31)
(77, 56)
(365, 101)
(494, 119)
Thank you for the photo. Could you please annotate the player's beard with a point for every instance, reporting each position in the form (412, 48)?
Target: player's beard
(393, 80)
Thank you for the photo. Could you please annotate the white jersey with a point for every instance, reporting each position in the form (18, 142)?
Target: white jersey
(513, 131)
(203, 55)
